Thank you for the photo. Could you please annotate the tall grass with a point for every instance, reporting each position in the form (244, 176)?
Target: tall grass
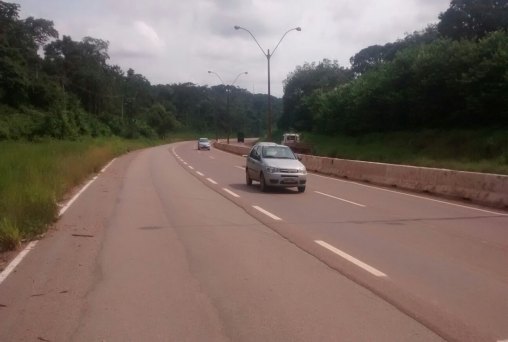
(35, 176)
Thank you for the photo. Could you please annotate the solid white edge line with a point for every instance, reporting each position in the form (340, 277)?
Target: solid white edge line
(340, 199)
(64, 209)
(410, 195)
(350, 258)
(211, 181)
(109, 164)
(231, 193)
(267, 213)
(5, 273)
(200, 173)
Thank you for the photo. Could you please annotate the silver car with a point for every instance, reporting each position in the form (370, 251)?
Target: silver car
(203, 144)
(275, 165)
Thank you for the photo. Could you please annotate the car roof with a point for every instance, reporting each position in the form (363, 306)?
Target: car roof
(266, 144)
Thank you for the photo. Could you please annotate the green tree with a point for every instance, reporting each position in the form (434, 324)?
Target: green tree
(303, 82)
(19, 62)
(375, 55)
(473, 19)
(442, 85)
(162, 120)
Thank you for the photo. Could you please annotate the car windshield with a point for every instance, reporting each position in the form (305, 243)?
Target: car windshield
(203, 140)
(278, 152)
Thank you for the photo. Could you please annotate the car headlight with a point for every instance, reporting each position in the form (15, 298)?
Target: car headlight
(271, 169)
(302, 170)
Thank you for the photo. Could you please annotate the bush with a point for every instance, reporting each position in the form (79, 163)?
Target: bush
(10, 236)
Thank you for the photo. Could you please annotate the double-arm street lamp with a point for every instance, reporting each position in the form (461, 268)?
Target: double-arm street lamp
(268, 55)
(228, 90)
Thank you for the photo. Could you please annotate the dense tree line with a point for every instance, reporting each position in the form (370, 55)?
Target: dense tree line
(450, 75)
(71, 91)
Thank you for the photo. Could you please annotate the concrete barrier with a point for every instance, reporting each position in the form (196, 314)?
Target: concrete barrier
(482, 188)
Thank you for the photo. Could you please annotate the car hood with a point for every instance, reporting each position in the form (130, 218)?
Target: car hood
(284, 163)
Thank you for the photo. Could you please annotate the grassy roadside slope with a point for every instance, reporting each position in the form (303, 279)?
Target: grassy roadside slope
(475, 150)
(35, 176)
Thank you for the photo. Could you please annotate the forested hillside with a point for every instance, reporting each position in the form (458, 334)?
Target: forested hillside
(451, 75)
(62, 88)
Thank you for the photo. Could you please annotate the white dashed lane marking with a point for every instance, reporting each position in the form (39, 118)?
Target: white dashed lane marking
(351, 259)
(267, 213)
(231, 192)
(410, 195)
(340, 199)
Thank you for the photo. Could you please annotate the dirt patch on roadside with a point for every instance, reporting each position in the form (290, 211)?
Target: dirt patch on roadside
(7, 256)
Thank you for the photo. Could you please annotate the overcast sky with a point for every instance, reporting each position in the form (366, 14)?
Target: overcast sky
(176, 41)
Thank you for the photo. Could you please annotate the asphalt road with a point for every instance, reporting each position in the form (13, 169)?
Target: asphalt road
(170, 244)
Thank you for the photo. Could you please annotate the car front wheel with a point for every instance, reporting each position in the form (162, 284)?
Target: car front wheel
(248, 180)
(262, 183)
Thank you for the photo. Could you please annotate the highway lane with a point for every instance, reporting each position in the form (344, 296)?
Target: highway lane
(147, 253)
(445, 261)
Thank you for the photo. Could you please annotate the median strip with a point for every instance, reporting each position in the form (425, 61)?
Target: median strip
(267, 213)
(350, 258)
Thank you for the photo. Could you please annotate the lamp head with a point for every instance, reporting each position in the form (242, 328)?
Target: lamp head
(298, 28)
(237, 27)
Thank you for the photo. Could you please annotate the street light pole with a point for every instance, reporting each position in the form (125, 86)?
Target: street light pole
(268, 55)
(228, 91)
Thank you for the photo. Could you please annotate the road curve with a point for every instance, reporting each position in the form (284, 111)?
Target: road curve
(156, 249)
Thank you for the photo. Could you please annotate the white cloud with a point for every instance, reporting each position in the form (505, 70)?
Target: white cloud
(129, 40)
(171, 41)
(149, 34)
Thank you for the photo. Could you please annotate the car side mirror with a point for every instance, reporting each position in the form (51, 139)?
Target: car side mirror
(299, 157)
